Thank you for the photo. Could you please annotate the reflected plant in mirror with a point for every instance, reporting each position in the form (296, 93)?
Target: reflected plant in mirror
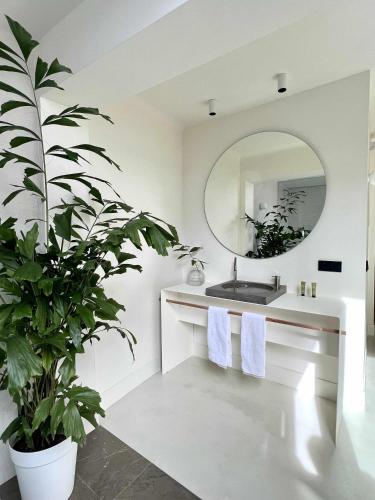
(274, 235)
(265, 195)
(196, 274)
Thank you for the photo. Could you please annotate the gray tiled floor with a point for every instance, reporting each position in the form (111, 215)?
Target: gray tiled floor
(108, 469)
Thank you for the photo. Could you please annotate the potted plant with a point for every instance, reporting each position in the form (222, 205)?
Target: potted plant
(273, 235)
(196, 275)
(52, 288)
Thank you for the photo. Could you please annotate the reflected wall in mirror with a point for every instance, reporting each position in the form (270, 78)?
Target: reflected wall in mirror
(265, 194)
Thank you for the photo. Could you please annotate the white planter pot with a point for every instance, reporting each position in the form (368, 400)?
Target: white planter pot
(47, 474)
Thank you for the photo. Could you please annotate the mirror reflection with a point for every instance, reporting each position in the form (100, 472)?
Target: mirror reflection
(265, 194)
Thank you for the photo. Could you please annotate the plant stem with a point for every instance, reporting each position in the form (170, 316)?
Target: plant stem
(44, 165)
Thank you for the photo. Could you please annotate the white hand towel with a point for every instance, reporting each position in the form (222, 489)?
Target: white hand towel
(219, 337)
(253, 344)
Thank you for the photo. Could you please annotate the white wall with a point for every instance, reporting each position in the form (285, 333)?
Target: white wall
(148, 146)
(333, 119)
(370, 303)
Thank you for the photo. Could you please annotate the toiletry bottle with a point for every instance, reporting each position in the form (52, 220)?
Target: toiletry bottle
(313, 289)
(303, 288)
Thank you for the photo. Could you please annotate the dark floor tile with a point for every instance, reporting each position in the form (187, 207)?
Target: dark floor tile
(9, 490)
(107, 468)
(82, 492)
(154, 484)
(107, 476)
(100, 442)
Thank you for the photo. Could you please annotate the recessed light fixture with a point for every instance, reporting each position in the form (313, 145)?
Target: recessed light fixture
(211, 107)
(281, 83)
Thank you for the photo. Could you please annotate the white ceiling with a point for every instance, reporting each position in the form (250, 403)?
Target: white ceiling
(313, 51)
(38, 16)
(193, 35)
(194, 50)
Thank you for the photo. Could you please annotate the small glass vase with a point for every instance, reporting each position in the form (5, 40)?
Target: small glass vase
(195, 277)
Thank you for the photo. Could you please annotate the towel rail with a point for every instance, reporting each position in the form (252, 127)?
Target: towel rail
(270, 320)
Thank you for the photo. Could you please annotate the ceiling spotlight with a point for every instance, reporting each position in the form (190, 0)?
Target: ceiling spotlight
(281, 83)
(211, 107)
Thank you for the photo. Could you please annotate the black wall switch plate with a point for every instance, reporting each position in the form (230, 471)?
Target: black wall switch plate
(332, 266)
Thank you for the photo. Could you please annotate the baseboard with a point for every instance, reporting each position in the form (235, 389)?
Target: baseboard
(120, 389)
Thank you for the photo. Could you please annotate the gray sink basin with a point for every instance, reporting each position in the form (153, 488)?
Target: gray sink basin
(246, 291)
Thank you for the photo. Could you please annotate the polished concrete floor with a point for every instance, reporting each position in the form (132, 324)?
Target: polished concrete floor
(108, 469)
(229, 437)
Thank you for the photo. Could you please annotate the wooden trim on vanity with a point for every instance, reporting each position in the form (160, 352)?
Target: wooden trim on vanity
(270, 320)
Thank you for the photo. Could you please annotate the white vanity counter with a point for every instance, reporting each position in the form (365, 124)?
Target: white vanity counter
(323, 306)
(305, 336)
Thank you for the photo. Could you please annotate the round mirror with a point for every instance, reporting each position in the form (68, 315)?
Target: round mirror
(265, 194)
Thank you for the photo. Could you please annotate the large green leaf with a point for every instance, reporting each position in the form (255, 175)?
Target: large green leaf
(58, 341)
(98, 151)
(88, 397)
(12, 195)
(65, 153)
(12, 428)
(12, 90)
(5, 55)
(30, 271)
(10, 287)
(63, 224)
(42, 412)
(75, 331)
(11, 69)
(40, 317)
(31, 186)
(41, 69)
(21, 311)
(8, 127)
(28, 244)
(108, 309)
(27, 432)
(80, 111)
(56, 67)
(22, 362)
(72, 423)
(8, 156)
(8, 258)
(88, 415)
(10, 105)
(69, 115)
(59, 120)
(67, 370)
(20, 141)
(46, 284)
(86, 316)
(4, 46)
(5, 311)
(57, 413)
(7, 233)
(49, 83)
(23, 38)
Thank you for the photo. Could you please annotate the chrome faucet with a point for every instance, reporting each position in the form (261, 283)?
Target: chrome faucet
(276, 282)
(235, 269)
